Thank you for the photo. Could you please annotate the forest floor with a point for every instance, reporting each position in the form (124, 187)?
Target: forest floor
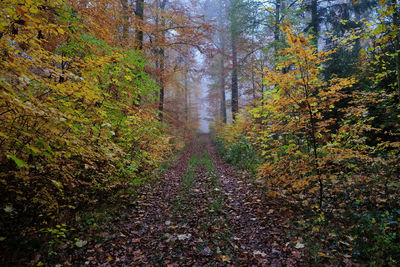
(202, 212)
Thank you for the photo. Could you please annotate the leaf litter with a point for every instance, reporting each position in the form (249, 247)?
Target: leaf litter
(200, 213)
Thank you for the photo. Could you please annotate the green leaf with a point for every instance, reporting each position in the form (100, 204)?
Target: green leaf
(381, 28)
(80, 243)
(137, 181)
(20, 163)
(57, 184)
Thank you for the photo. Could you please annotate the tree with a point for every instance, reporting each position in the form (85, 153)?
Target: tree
(140, 18)
(234, 75)
(217, 60)
(243, 18)
(222, 75)
(71, 131)
(161, 58)
(295, 115)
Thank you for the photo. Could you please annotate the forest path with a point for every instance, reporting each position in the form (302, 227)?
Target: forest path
(201, 213)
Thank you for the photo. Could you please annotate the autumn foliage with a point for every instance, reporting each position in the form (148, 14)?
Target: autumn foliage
(72, 129)
(314, 138)
(97, 95)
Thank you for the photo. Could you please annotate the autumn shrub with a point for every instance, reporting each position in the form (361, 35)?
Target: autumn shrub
(77, 115)
(329, 166)
(235, 147)
(376, 237)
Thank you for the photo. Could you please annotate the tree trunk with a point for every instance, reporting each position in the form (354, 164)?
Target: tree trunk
(161, 54)
(262, 81)
(277, 22)
(234, 35)
(140, 17)
(315, 21)
(186, 96)
(222, 91)
(125, 21)
(235, 86)
(222, 65)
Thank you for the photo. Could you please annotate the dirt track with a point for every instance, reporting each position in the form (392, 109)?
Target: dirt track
(200, 213)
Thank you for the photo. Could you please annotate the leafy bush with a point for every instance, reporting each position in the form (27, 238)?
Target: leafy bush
(235, 147)
(240, 154)
(377, 237)
(73, 131)
(334, 165)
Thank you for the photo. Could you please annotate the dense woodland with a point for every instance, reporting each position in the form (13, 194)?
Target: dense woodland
(99, 97)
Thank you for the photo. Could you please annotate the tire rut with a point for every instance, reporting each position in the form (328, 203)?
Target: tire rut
(200, 213)
(258, 228)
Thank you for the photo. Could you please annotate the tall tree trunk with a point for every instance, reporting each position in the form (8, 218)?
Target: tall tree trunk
(125, 21)
(222, 65)
(161, 54)
(186, 96)
(222, 90)
(315, 21)
(277, 22)
(234, 76)
(235, 86)
(140, 17)
(262, 80)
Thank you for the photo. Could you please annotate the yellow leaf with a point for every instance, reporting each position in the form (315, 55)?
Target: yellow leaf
(34, 10)
(225, 258)
(315, 229)
(324, 255)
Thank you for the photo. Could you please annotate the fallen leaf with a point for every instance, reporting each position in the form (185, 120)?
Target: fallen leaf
(296, 254)
(80, 243)
(257, 252)
(225, 258)
(184, 237)
(272, 194)
(299, 245)
(9, 208)
(321, 254)
(206, 251)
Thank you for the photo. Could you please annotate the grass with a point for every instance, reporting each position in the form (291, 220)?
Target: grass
(182, 202)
